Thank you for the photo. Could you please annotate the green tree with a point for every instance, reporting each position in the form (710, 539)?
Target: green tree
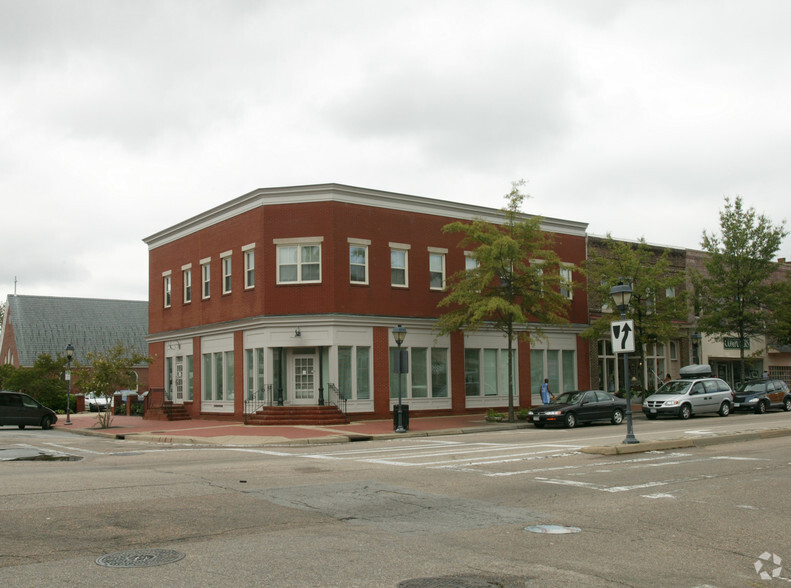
(658, 298)
(735, 292)
(108, 372)
(505, 291)
(43, 380)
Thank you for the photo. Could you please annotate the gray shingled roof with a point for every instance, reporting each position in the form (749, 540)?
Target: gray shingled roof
(46, 324)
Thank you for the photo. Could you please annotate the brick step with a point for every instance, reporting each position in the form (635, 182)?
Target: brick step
(176, 412)
(297, 415)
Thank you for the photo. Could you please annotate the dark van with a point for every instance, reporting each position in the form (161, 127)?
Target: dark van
(22, 410)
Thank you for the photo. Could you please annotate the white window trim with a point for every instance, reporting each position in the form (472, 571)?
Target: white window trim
(186, 271)
(569, 289)
(248, 251)
(167, 286)
(468, 256)
(226, 263)
(363, 243)
(205, 278)
(405, 248)
(298, 242)
(444, 253)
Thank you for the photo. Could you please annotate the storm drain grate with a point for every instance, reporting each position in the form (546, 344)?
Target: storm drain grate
(140, 558)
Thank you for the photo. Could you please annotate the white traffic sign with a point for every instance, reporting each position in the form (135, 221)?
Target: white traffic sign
(622, 335)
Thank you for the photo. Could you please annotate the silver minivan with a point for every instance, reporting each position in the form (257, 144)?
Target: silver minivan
(696, 392)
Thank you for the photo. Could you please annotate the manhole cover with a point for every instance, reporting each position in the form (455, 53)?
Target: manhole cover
(552, 529)
(139, 558)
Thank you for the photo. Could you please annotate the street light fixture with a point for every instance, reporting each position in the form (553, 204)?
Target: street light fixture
(69, 356)
(622, 295)
(399, 334)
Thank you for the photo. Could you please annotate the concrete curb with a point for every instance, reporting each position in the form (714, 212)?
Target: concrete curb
(662, 445)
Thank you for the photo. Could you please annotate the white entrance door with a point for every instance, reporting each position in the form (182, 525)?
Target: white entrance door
(178, 380)
(303, 370)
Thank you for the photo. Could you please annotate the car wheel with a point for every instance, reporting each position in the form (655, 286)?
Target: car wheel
(685, 412)
(760, 408)
(725, 409)
(539, 425)
(46, 422)
(650, 417)
(571, 420)
(21, 426)
(787, 404)
(617, 417)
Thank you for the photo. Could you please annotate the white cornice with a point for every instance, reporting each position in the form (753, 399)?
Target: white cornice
(334, 320)
(349, 195)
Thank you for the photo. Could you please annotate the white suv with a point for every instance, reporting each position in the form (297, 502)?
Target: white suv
(689, 396)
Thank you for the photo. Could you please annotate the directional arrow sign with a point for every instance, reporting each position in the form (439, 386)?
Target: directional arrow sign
(622, 334)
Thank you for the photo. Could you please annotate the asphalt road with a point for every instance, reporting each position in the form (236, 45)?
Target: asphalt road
(455, 510)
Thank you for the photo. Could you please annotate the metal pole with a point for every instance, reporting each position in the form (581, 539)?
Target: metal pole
(630, 438)
(400, 428)
(68, 391)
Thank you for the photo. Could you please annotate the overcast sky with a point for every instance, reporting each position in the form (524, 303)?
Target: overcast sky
(122, 118)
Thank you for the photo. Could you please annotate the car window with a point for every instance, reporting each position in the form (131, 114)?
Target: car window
(569, 398)
(674, 387)
(602, 396)
(724, 386)
(589, 397)
(711, 386)
(697, 388)
(770, 386)
(29, 402)
(781, 385)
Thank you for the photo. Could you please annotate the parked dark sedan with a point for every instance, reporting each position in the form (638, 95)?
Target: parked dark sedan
(22, 410)
(582, 406)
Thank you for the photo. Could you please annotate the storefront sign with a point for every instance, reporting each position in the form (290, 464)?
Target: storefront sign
(733, 343)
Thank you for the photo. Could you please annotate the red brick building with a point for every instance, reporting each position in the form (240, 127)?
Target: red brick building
(289, 295)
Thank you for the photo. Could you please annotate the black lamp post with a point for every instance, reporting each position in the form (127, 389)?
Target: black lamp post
(622, 295)
(399, 334)
(69, 356)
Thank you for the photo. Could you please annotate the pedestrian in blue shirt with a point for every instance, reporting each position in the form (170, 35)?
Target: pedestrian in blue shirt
(546, 395)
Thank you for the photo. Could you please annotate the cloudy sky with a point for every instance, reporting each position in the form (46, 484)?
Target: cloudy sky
(122, 118)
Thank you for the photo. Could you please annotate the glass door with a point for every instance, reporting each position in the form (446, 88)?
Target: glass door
(303, 363)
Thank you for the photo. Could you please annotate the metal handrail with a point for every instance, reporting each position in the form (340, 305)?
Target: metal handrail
(338, 399)
(253, 405)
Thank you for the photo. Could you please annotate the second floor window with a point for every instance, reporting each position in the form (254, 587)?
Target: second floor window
(167, 290)
(299, 263)
(249, 268)
(226, 274)
(436, 268)
(205, 280)
(358, 263)
(565, 282)
(399, 275)
(187, 275)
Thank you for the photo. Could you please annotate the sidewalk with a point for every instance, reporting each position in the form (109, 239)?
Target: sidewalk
(225, 433)
(210, 432)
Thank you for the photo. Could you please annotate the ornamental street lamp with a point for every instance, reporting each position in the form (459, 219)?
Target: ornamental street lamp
(622, 295)
(399, 334)
(69, 356)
